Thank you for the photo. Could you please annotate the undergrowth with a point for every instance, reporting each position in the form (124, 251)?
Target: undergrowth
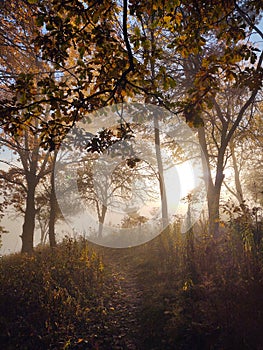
(54, 299)
(197, 293)
(202, 293)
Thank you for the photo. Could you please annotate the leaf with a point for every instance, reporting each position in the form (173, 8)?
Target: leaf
(137, 31)
(167, 19)
(178, 18)
(40, 21)
(81, 51)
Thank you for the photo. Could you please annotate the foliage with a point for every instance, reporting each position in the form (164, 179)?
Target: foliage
(49, 299)
(102, 53)
(202, 300)
(247, 223)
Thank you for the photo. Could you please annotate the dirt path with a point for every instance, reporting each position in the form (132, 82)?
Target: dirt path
(126, 303)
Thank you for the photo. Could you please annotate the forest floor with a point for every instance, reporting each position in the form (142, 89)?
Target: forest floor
(126, 301)
(140, 298)
(83, 297)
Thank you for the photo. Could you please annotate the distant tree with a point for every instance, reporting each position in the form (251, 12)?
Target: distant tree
(19, 60)
(48, 212)
(245, 158)
(111, 190)
(133, 220)
(22, 178)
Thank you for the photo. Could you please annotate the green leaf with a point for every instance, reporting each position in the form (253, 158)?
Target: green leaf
(172, 83)
(40, 21)
(137, 31)
(49, 27)
(81, 51)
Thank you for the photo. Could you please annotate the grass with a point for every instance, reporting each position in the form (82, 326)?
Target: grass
(50, 299)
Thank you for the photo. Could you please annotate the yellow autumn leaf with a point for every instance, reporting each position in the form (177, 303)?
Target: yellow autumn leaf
(178, 18)
(167, 19)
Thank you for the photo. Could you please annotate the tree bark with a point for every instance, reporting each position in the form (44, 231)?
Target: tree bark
(102, 219)
(29, 219)
(239, 192)
(165, 220)
(53, 206)
(213, 189)
(190, 250)
(213, 200)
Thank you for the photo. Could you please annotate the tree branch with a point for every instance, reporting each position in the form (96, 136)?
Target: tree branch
(248, 20)
(125, 35)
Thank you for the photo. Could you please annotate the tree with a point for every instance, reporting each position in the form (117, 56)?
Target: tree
(245, 152)
(212, 99)
(87, 30)
(53, 210)
(17, 31)
(114, 63)
(48, 212)
(103, 188)
(25, 177)
(109, 183)
(20, 64)
(205, 69)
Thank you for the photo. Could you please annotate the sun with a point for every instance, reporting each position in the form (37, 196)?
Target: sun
(181, 180)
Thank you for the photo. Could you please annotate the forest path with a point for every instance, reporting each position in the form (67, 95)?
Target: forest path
(126, 300)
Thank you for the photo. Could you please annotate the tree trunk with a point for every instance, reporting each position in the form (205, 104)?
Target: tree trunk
(213, 199)
(102, 219)
(165, 221)
(29, 220)
(53, 207)
(43, 231)
(52, 218)
(190, 259)
(239, 192)
(213, 189)
(213, 196)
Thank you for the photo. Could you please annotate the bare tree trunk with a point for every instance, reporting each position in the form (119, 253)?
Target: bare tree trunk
(239, 192)
(102, 219)
(190, 250)
(53, 206)
(52, 216)
(43, 231)
(213, 189)
(29, 219)
(165, 221)
(213, 199)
